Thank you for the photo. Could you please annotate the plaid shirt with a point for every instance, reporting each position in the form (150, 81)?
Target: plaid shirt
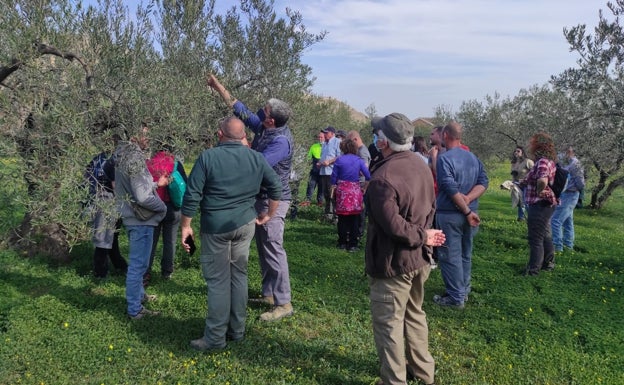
(544, 168)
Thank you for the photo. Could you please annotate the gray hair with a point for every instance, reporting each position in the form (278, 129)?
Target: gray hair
(393, 146)
(280, 111)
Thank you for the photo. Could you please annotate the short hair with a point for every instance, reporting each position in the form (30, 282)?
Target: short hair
(231, 132)
(348, 146)
(394, 146)
(454, 130)
(280, 111)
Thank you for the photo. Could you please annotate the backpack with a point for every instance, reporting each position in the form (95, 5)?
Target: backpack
(95, 175)
(560, 182)
(176, 187)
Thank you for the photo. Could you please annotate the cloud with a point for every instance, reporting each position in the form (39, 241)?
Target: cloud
(437, 52)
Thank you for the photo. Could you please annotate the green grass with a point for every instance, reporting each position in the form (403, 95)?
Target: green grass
(60, 326)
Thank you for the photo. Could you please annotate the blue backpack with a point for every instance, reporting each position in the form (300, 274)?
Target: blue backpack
(176, 187)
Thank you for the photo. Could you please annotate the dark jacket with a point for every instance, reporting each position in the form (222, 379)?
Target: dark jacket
(401, 204)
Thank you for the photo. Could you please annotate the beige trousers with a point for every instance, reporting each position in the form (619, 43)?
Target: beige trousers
(400, 327)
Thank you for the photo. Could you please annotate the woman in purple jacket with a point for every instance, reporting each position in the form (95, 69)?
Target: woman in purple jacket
(345, 180)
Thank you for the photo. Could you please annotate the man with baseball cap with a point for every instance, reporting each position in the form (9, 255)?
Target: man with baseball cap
(401, 204)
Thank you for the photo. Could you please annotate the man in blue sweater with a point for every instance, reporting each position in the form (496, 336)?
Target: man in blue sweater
(274, 141)
(224, 183)
(461, 181)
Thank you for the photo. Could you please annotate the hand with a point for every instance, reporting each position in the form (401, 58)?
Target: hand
(213, 82)
(262, 218)
(186, 231)
(435, 237)
(163, 180)
(473, 219)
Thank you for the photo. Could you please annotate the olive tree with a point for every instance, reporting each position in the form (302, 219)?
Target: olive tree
(70, 76)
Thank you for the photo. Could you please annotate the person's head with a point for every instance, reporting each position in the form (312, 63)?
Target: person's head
(231, 129)
(569, 152)
(452, 134)
(276, 113)
(541, 145)
(355, 137)
(340, 134)
(141, 138)
(329, 132)
(321, 137)
(396, 132)
(435, 138)
(518, 153)
(420, 144)
(347, 146)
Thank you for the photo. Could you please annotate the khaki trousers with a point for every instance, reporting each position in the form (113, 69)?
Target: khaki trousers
(400, 327)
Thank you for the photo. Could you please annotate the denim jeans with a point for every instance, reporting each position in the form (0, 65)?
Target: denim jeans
(139, 250)
(169, 229)
(455, 256)
(562, 221)
(315, 182)
(542, 252)
(224, 258)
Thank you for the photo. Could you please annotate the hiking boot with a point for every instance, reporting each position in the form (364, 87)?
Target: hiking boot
(203, 346)
(148, 298)
(445, 300)
(144, 312)
(263, 301)
(278, 312)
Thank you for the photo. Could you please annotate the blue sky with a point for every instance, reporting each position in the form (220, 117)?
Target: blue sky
(410, 56)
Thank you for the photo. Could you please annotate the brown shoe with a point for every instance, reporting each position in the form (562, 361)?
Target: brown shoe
(278, 312)
(304, 204)
(263, 301)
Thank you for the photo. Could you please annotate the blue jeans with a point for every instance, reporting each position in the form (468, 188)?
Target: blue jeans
(562, 221)
(271, 253)
(313, 183)
(139, 250)
(224, 258)
(455, 256)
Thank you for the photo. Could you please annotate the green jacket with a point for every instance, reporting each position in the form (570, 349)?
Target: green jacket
(224, 183)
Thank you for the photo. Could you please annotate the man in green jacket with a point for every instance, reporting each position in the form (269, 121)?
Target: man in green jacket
(224, 183)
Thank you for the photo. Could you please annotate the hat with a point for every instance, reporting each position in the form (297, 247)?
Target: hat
(328, 129)
(396, 127)
(341, 134)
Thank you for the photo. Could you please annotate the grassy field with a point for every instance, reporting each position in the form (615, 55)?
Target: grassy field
(60, 326)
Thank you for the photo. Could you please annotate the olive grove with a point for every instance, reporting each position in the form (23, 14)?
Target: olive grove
(72, 75)
(582, 106)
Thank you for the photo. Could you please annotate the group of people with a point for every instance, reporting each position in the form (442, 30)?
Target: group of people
(419, 202)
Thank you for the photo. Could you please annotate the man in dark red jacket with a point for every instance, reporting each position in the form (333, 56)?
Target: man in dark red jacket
(401, 203)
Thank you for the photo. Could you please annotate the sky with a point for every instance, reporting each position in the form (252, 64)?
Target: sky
(411, 56)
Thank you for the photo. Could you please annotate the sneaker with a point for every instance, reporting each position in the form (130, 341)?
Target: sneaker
(167, 276)
(278, 312)
(434, 265)
(148, 298)
(549, 267)
(265, 300)
(201, 345)
(447, 301)
(144, 312)
(353, 249)
(342, 246)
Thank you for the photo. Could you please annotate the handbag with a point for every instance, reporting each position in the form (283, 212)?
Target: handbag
(140, 212)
